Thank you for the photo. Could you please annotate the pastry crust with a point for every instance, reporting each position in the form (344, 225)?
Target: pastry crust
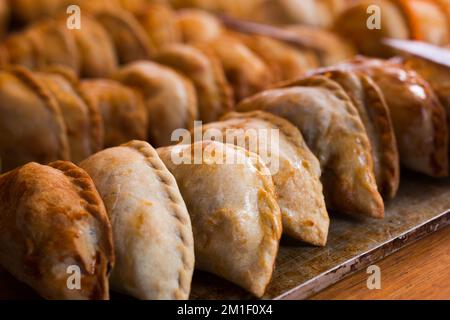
(152, 230)
(295, 170)
(236, 235)
(130, 39)
(215, 96)
(418, 118)
(170, 98)
(122, 109)
(97, 53)
(52, 218)
(81, 119)
(375, 115)
(333, 130)
(247, 73)
(198, 26)
(25, 99)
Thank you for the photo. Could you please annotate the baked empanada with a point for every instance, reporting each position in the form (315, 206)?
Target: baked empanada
(55, 229)
(97, 53)
(160, 23)
(418, 118)
(352, 24)
(246, 72)
(123, 113)
(235, 218)
(130, 40)
(82, 120)
(295, 170)
(375, 115)
(215, 96)
(152, 231)
(23, 101)
(333, 130)
(170, 98)
(198, 26)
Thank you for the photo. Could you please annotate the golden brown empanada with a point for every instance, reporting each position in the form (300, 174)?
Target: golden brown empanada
(130, 40)
(198, 26)
(54, 224)
(246, 72)
(123, 113)
(295, 170)
(235, 217)
(152, 230)
(215, 96)
(170, 98)
(23, 101)
(97, 53)
(418, 118)
(82, 120)
(375, 115)
(160, 23)
(333, 130)
(54, 44)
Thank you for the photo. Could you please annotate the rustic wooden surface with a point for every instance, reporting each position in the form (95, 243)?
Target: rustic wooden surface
(421, 208)
(419, 271)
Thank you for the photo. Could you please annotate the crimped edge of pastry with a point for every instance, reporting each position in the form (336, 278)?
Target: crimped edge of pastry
(170, 186)
(95, 207)
(30, 80)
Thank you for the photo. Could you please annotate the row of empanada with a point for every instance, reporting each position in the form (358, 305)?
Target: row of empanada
(235, 236)
(251, 63)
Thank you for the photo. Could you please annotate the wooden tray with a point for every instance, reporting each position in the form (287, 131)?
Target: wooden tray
(421, 207)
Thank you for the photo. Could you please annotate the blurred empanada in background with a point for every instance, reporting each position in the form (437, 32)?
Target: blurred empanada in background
(295, 170)
(23, 99)
(170, 98)
(152, 230)
(198, 25)
(334, 132)
(204, 69)
(236, 234)
(54, 224)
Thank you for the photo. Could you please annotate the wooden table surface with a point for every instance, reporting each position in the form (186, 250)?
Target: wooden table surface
(418, 271)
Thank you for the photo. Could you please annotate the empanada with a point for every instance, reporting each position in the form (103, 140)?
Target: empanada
(358, 26)
(97, 53)
(246, 72)
(23, 101)
(215, 96)
(235, 218)
(130, 40)
(55, 229)
(123, 113)
(375, 115)
(82, 120)
(198, 26)
(160, 23)
(333, 130)
(152, 230)
(170, 98)
(418, 118)
(295, 170)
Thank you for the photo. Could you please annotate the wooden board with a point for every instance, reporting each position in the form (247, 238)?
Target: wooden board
(421, 207)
